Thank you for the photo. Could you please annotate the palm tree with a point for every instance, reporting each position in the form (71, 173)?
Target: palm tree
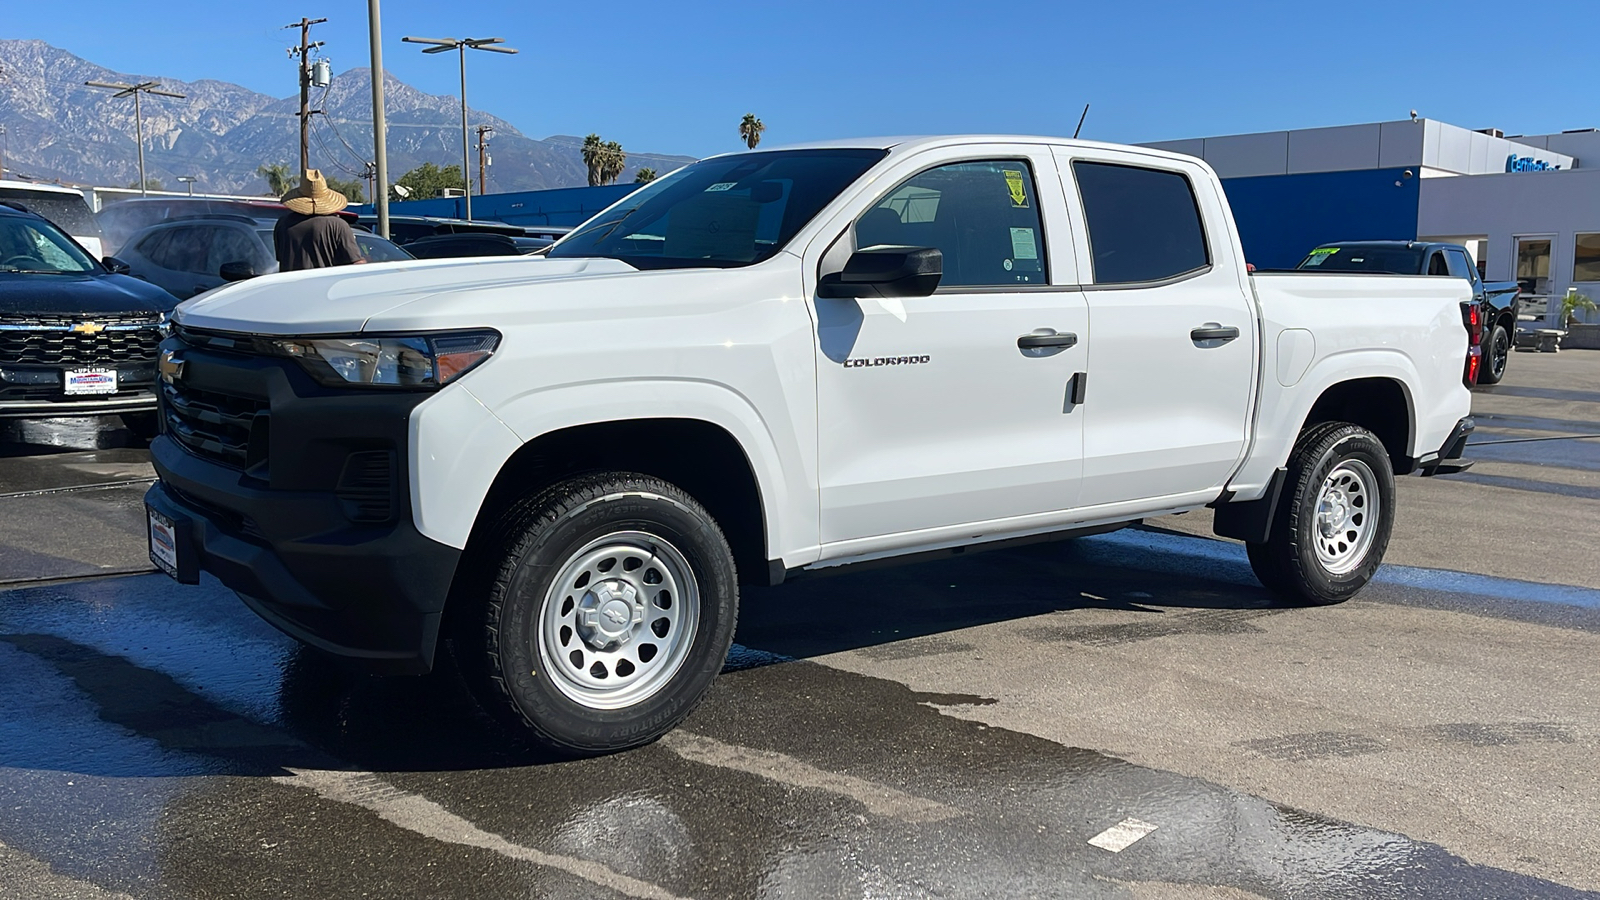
(644, 175)
(593, 158)
(612, 162)
(277, 176)
(750, 129)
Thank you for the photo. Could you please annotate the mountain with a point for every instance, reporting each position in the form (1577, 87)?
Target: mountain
(59, 129)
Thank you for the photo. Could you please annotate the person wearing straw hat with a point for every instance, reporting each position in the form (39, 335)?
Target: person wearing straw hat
(311, 236)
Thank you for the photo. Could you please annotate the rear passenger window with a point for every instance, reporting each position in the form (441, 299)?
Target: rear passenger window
(1144, 224)
(983, 216)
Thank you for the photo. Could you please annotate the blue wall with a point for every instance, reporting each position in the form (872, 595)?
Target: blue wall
(1282, 217)
(562, 206)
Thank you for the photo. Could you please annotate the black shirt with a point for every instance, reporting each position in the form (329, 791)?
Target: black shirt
(314, 242)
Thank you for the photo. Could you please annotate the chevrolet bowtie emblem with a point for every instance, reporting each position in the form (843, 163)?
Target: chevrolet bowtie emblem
(170, 366)
(88, 328)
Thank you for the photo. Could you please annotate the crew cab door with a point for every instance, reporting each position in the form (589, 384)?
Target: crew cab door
(1173, 358)
(931, 413)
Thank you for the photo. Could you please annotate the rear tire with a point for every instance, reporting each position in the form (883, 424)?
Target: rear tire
(1333, 522)
(1496, 355)
(609, 609)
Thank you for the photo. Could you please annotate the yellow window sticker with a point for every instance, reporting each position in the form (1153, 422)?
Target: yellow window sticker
(1015, 184)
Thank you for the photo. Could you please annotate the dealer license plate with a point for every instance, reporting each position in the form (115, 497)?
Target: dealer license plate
(163, 542)
(91, 381)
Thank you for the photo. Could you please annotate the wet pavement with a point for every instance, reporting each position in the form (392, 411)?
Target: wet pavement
(1128, 715)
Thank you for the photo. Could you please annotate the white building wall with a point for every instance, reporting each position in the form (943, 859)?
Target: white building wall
(1504, 206)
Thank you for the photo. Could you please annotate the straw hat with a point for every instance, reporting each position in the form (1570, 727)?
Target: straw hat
(312, 196)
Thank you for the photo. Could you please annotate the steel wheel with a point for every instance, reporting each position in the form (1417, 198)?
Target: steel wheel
(619, 620)
(1346, 517)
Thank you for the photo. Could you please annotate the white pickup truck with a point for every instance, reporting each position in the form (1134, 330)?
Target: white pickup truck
(776, 361)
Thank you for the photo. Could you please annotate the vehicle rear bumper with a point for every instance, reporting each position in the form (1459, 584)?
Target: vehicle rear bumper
(1447, 459)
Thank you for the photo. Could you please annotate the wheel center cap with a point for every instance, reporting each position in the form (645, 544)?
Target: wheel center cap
(608, 612)
(1334, 514)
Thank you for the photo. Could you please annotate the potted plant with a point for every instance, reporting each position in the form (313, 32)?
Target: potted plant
(1579, 335)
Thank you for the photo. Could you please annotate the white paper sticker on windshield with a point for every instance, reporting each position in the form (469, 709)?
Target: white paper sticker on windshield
(720, 186)
(1023, 245)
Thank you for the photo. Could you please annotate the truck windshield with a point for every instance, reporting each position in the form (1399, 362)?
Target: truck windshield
(722, 212)
(1388, 260)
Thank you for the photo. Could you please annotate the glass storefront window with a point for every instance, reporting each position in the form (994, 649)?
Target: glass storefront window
(1586, 262)
(1533, 265)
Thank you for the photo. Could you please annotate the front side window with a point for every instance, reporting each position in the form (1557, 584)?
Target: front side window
(983, 216)
(1586, 262)
(33, 246)
(721, 212)
(1144, 224)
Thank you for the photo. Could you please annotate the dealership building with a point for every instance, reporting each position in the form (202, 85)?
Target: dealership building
(1526, 206)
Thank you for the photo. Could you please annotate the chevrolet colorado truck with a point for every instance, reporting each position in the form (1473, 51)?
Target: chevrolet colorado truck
(769, 362)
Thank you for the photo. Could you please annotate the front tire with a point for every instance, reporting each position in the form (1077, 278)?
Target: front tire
(610, 610)
(1496, 354)
(1333, 523)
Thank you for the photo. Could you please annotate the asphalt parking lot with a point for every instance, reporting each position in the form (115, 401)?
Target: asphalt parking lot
(1128, 715)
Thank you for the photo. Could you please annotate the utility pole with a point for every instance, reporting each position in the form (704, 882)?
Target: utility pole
(124, 90)
(380, 151)
(483, 159)
(304, 54)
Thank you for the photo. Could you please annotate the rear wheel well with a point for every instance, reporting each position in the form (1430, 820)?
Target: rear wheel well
(1379, 405)
(701, 458)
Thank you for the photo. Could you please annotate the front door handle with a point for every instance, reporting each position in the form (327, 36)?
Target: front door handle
(1046, 338)
(1211, 331)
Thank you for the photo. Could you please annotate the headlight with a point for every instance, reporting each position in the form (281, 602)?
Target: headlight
(413, 360)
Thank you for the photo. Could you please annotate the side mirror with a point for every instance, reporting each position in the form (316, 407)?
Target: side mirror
(237, 271)
(116, 266)
(886, 272)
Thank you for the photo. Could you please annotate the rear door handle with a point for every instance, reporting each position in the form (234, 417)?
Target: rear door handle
(1211, 331)
(1046, 338)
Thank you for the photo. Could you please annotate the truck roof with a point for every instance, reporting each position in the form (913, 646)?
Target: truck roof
(908, 143)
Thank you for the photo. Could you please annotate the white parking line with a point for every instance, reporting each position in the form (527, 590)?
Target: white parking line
(879, 799)
(423, 816)
(1122, 835)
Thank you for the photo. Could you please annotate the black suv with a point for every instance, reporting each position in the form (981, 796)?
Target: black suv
(77, 337)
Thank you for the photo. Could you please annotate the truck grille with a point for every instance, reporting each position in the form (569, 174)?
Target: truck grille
(51, 340)
(219, 427)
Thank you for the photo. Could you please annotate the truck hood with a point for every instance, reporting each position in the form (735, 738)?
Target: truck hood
(343, 300)
(79, 295)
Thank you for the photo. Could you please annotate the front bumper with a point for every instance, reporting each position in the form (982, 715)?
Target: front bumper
(329, 558)
(35, 391)
(1447, 460)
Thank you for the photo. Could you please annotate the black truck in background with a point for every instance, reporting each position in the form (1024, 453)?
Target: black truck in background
(1500, 301)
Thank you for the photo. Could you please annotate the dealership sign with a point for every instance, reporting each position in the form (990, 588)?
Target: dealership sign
(1515, 163)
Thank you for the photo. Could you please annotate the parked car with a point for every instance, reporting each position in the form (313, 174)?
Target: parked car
(405, 229)
(1500, 301)
(446, 246)
(77, 337)
(185, 256)
(774, 361)
(63, 206)
(122, 219)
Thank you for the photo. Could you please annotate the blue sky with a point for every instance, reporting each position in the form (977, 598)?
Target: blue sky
(677, 77)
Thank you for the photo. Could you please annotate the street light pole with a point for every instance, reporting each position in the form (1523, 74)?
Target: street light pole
(462, 45)
(124, 90)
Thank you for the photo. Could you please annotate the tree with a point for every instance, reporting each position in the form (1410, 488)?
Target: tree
(353, 188)
(750, 129)
(277, 176)
(150, 184)
(593, 158)
(427, 180)
(644, 176)
(612, 163)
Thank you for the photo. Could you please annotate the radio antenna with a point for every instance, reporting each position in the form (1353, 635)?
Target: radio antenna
(1080, 121)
